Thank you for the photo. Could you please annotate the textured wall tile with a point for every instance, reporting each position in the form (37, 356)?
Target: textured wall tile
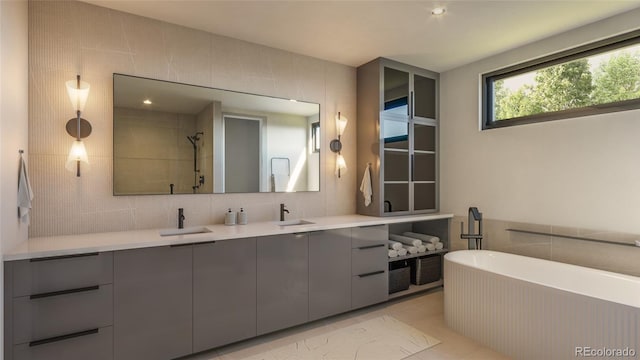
(608, 257)
(596, 255)
(69, 38)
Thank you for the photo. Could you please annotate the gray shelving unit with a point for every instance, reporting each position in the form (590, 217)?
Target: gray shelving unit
(398, 116)
(440, 228)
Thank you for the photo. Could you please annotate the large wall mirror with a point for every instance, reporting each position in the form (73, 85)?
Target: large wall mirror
(172, 138)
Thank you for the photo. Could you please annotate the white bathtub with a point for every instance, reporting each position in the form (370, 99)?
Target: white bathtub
(530, 308)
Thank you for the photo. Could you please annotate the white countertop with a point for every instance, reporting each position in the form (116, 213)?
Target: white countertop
(97, 242)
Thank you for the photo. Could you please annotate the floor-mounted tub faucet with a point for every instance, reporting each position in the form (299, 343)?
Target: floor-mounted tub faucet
(474, 215)
(282, 211)
(181, 218)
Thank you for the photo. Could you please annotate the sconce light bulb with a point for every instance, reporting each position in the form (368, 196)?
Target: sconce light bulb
(78, 94)
(147, 102)
(341, 124)
(77, 153)
(341, 164)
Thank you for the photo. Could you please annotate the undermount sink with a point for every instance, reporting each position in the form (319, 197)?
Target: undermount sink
(293, 222)
(185, 231)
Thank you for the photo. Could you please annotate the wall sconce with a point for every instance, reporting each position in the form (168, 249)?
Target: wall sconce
(336, 145)
(77, 127)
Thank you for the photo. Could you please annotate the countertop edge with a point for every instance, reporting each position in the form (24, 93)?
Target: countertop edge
(52, 246)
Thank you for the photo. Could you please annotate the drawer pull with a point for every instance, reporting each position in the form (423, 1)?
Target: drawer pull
(64, 337)
(372, 273)
(369, 226)
(371, 246)
(63, 257)
(64, 292)
(180, 245)
(205, 242)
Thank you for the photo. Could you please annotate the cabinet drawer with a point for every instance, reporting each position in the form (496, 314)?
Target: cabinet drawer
(95, 344)
(369, 289)
(369, 235)
(368, 259)
(40, 317)
(45, 275)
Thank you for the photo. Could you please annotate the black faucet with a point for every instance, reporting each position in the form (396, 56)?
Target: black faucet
(474, 215)
(282, 211)
(180, 218)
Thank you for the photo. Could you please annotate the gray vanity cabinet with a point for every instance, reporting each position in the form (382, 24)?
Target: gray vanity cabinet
(59, 307)
(369, 267)
(224, 292)
(329, 273)
(153, 303)
(283, 281)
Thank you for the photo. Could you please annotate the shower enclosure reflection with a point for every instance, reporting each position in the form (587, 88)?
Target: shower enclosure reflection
(198, 180)
(172, 138)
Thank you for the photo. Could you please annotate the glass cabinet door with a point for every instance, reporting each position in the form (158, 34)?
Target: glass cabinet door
(409, 135)
(424, 166)
(396, 160)
(396, 92)
(396, 142)
(424, 196)
(424, 92)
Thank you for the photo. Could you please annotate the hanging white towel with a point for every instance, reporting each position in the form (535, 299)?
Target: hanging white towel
(280, 174)
(25, 194)
(365, 186)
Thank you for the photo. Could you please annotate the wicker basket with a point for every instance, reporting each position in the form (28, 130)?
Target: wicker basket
(399, 276)
(426, 269)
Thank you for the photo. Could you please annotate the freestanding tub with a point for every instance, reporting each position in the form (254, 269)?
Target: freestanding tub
(535, 309)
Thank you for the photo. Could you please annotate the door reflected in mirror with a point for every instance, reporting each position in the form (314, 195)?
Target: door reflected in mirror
(172, 138)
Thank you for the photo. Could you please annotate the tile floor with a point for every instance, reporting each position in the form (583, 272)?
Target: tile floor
(423, 311)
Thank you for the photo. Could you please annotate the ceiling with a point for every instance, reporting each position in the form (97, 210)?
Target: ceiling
(355, 32)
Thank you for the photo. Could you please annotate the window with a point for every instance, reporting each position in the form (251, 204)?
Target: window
(315, 137)
(597, 78)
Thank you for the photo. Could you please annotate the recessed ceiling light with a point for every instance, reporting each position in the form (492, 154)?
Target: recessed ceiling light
(293, 100)
(438, 11)
(147, 102)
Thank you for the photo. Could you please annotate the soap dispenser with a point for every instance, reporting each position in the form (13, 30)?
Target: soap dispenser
(242, 217)
(230, 218)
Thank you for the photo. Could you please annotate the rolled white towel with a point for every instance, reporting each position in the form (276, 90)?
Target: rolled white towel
(395, 245)
(402, 252)
(393, 253)
(422, 248)
(423, 237)
(411, 249)
(405, 240)
(439, 246)
(431, 247)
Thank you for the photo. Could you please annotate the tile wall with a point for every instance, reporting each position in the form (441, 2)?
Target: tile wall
(68, 38)
(616, 258)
